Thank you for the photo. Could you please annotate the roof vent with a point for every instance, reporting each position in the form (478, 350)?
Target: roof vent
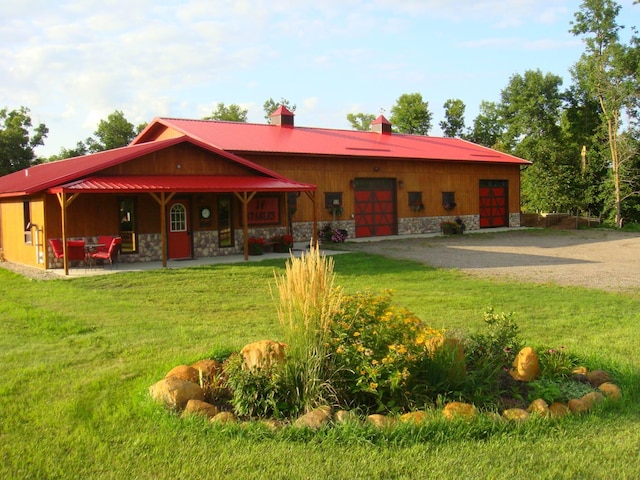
(282, 116)
(381, 125)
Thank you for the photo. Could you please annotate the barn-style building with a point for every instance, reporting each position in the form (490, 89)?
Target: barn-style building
(197, 188)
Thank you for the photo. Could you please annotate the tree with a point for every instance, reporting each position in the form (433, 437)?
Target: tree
(487, 126)
(453, 124)
(271, 105)
(232, 113)
(79, 150)
(411, 115)
(361, 121)
(608, 70)
(18, 139)
(531, 107)
(114, 132)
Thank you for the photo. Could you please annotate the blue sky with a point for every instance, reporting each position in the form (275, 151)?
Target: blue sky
(74, 62)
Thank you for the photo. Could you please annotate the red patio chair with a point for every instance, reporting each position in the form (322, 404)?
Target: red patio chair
(105, 242)
(56, 246)
(111, 253)
(75, 250)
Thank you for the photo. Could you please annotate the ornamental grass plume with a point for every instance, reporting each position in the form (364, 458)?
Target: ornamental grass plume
(307, 301)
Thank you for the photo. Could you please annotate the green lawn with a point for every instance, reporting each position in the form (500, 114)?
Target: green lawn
(77, 357)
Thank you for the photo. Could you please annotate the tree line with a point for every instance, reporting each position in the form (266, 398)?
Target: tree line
(583, 140)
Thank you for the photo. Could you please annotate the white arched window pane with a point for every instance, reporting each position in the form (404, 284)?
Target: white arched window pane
(178, 218)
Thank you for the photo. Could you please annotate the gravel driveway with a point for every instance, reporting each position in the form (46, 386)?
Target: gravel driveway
(607, 260)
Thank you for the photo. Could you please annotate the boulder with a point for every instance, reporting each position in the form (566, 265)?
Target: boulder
(539, 407)
(185, 372)
(344, 416)
(580, 371)
(611, 391)
(224, 417)
(591, 399)
(263, 354)
(209, 369)
(380, 421)
(459, 410)
(315, 419)
(558, 410)
(175, 392)
(598, 377)
(526, 365)
(418, 416)
(515, 414)
(198, 407)
(576, 406)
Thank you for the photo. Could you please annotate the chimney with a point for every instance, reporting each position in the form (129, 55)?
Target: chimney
(381, 125)
(282, 117)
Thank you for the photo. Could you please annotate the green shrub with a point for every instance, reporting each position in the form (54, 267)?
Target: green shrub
(557, 390)
(490, 354)
(256, 392)
(379, 355)
(556, 363)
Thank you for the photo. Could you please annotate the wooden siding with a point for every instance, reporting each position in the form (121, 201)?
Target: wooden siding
(430, 178)
(14, 247)
(181, 159)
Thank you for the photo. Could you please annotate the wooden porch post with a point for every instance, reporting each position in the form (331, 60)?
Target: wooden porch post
(64, 202)
(245, 198)
(312, 197)
(163, 200)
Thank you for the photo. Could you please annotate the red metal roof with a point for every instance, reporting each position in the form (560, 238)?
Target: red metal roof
(48, 175)
(240, 137)
(181, 183)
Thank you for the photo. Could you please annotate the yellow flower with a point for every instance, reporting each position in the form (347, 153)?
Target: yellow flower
(340, 349)
(360, 348)
(356, 334)
(373, 385)
(374, 362)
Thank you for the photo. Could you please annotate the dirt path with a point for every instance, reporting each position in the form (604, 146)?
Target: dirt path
(606, 260)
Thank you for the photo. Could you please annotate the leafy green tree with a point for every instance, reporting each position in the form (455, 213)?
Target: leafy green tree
(361, 121)
(453, 124)
(271, 105)
(232, 113)
(487, 127)
(609, 71)
(18, 139)
(411, 115)
(531, 107)
(114, 132)
(79, 150)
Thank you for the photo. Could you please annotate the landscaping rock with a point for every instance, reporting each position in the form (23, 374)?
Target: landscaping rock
(262, 354)
(185, 372)
(526, 365)
(598, 377)
(315, 419)
(380, 421)
(539, 407)
(460, 410)
(576, 406)
(271, 424)
(343, 416)
(415, 417)
(197, 407)
(175, 392)
(591, 399)
(580, 371)
(209, 369)
(558, 410)
(224, 417)
(515, 414)
(611, 391)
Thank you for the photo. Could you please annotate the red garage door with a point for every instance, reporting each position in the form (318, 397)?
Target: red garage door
(494, 211)
(375, 207)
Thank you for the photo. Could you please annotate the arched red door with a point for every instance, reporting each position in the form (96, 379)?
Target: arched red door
(179, 229)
